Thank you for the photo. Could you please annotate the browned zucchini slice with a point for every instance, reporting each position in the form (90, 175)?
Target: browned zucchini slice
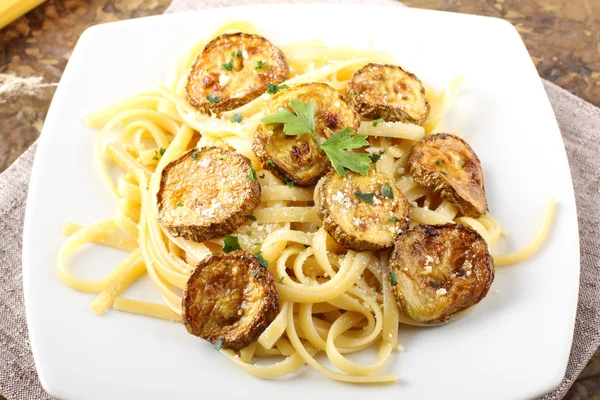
(232, 70)
(439, 270)
(388, 92)
(362, 212)
(449, 167)
(230, 298)
(298, 158)
(206, 193)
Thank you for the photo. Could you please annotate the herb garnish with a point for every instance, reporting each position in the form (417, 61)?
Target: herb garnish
(236, 53)
(393, 219)
(180, 203)
(376, 156)
(438, 162)
(261, 176)
(366, 197)
(386, 191)
(436, 283)
(212, 98)
(252, 175)
(377, 121)
(250, 217)
(228, 66)
(195, 155)
(260, 64)
(272, 88)
(162, 151)
(261, 260)
(281, 279)
(393, 278)
(270, 163)
(288, 182)
(231, 243)
(236, 117)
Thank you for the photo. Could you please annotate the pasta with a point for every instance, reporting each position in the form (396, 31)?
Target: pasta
(332, 300)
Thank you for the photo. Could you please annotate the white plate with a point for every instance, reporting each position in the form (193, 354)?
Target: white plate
(515, 344)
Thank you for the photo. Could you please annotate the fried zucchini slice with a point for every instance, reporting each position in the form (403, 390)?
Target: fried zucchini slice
(230, 298)
(439, 270)
(388, 92)
(448, 166)
(362, 212)
(232, 70)
(206, 193)
(298, 158)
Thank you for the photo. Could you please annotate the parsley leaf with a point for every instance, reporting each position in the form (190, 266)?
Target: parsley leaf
(155, 158)
(272, 88)
(393, 278)
(162, 151)
(228, 66)
(377, 121)
(231, 244)
(436, 283)
(212, 98)
(261, 176)
(336, 149)
(250, 217)
(236, 118)
(393, 219)
(387, 191)
(261, 260)
(270, 163)
(219, 344)
(303, 121)
(375, 157)
(260, 64)
(180, 203)
(252, 175)
(195, 155)
(236, 53)
(366, 197)
(438, 162)
(288, 182)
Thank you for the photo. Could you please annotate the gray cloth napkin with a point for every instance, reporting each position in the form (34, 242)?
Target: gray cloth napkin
(578, 120)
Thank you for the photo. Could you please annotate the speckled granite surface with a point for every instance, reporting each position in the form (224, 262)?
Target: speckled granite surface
(562, 36)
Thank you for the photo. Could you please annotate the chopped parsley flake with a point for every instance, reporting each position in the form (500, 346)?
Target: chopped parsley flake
(438, 162)
(393, 219)
(393, 278)
(376, 156)
(288, 182)
(387, 191)
(249, 232)
(366, 197)
(254, 273)
(271, 164)
(257, 243)
(260, 64)
(228, 66)
(236, 53)
(180, 203)
(236, 118)
(436, 283)
(281, 279)
(250, 217)
(218, 344)
(377, 121)
(252, 175)
(212, 98)
(195, 155)
(272, 88)
(162, 151)
(155, 156)
(261, 260)
(261, 176)
(231, 244)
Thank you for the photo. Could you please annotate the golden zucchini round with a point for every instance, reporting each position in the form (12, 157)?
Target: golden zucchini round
(230, 298)
(298, 158)
(388, 92)
(438, 270)
(232, 70)
(449, 167)
(362, 212)
(206, 193)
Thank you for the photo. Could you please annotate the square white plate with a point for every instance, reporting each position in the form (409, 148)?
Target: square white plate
(515, 344)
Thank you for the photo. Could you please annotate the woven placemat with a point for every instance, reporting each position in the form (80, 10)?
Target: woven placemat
(579, 123)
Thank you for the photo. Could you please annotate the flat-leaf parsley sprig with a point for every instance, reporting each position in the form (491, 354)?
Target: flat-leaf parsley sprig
(302, 121)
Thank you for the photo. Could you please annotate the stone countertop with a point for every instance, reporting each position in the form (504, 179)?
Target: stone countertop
(562, 36)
